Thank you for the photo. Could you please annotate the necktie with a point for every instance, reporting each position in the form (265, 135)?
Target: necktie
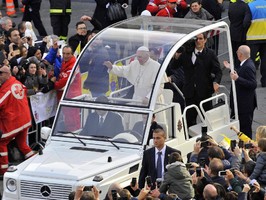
(159, 165)
(101, 121)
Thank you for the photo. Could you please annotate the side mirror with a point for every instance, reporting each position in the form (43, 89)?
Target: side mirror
(45, 133)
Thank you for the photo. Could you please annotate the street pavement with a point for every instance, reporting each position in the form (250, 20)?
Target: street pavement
(86, 7)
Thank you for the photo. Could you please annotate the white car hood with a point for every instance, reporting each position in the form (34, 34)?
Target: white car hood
(62, 163)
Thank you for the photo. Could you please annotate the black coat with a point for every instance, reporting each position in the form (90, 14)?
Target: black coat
(148, 164)
(111, 127)
(237, 14)
(200, 76)
(100, 11)
(213, 7)
(246, 85)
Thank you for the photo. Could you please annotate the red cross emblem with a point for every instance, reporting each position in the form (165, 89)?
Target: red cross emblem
(17, 91)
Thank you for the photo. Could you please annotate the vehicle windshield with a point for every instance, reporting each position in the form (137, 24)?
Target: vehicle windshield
(112, 64)
(101, 124)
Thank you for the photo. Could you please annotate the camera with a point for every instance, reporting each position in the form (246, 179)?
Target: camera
(159, 182)
(241, 144)
(114, 194)
(148, 181)
(205, 144)
(233, 144)
(87, 188)
(188, 165)
(198, 171)
(133, 181)
(248, 146)
(190, 45)
(221, 173)
(202, 162)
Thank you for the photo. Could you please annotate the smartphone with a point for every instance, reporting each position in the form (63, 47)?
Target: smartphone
(248, 146)
(159, 182)
(233, 144)
(204, 130)
(133, 181)
(148, 181)
(198, 171)
(114, 194)
(241, 144)
(202, 162)
(221, 173)
(188, 165)
(87, 188)
(204, 144)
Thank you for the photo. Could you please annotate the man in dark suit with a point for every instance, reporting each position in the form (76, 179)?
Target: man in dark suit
(155, 159)
(103, 123)
(202, 74)
(237, 14)
(246, 84)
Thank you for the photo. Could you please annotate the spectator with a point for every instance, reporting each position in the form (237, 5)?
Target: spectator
(156, 158)
(169, 10)
(245, 81)
(177, 179)
(113, 186)
(35, 79)
(237, 13)
(82, 33)
(14, 107)
(6, 24)
(32, 13)
(138, 6)
(210, 192)
(215, 166)
(256, 35)
(197, 12)
(98, 78)
(60, 15)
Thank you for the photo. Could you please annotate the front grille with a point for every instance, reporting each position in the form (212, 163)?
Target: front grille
(44, 190)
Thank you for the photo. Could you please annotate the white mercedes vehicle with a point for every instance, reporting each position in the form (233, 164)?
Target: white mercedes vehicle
(78, 153)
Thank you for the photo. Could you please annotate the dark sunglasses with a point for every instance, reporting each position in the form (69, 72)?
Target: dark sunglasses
(2, 72)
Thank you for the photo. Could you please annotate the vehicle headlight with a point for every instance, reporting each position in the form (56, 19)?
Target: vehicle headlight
(11, 184)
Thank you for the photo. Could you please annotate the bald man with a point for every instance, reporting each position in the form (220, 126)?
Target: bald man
(141, 73)
(15, 117)
(246, 84)
(210, 192)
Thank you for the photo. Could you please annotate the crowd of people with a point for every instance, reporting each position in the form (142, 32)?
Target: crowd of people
(212, 172)
(23, 65)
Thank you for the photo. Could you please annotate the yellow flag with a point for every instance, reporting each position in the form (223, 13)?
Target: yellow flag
(78, 50)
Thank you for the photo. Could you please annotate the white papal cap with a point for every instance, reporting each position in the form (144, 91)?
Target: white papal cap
(143, 48)
(145, 13)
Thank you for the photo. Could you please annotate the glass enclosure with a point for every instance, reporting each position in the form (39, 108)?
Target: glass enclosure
(118, 44)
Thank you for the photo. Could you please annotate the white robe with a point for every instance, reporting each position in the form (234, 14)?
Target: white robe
(141, 76)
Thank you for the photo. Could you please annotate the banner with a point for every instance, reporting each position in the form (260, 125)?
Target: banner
(43, 106)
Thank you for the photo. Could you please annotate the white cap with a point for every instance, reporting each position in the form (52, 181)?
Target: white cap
(143, 48)
(145, 13)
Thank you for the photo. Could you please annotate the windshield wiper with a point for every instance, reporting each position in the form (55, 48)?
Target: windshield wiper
(74, 136)
(107, 139)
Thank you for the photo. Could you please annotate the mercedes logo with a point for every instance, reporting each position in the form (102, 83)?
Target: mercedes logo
(45, 191)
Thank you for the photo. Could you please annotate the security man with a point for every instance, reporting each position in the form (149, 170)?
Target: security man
(60, 11)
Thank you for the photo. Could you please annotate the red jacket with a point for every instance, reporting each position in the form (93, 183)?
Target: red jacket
(153, 6)
(14, 108)
(166, 12)
(60, 84)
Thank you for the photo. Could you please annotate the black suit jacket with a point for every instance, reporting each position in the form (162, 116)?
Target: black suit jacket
(237, 14)
(112, 125)
(199, 77)
(246, 85)
(148, 164)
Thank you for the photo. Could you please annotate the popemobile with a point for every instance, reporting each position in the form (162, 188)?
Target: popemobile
(81, 149)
